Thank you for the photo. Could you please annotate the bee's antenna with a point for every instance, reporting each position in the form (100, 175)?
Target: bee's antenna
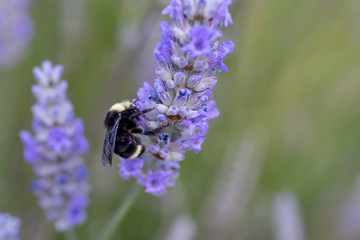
(147, 110)
(135, 101)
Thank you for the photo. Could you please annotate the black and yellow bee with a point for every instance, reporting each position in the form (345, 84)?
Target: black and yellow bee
(120, 124)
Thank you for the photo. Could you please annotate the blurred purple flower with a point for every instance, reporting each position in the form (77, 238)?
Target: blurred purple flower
(16, 31)
(58, 140)
(55, 151)
(9, 227)
(286, 217)
(188, 56)
(348, 218)
(75, 211)
(183, 228)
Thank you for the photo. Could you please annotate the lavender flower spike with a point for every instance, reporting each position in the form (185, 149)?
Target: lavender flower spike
(55, 151)
(9, 227)
(188, 55)
(16, 31)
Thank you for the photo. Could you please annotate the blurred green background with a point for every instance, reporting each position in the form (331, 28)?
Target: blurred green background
(289, 104)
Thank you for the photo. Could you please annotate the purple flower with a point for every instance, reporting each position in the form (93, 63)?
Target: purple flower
(196, 143)
(9, 227)
(55, 151)
(58, 140)
(17, 31)
(189, 55)
(31, 151)
(155, 182)
(201, 37)
(76, 209)
(131, 168)
(224, 49)
(81, 143)
(176, 13)
(218, 11)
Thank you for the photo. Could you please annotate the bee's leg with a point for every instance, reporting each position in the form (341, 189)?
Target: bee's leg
(137, 130)
(146, 110)
(136, 114)
(150, 133)
(153, 132)
(141, 131)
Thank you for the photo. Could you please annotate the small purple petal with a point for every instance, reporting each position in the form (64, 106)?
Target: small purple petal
(224, 49)
(155, 182)
(9, 227)
(81, 144)
(81, 173)
(31, 151)
(200, 41)
(130, 168)
(76, 209)
(143, 93)
(179, 78)
(58, 140)
(197, 141)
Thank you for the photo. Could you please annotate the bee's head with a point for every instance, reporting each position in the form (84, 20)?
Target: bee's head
(130, 112)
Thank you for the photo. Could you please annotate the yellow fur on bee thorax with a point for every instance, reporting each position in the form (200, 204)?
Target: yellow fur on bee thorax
(122, 106)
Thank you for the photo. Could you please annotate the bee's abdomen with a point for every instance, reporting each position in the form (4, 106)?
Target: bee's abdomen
(133, 151)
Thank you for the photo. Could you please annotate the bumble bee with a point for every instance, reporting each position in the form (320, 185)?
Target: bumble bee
(120, 124)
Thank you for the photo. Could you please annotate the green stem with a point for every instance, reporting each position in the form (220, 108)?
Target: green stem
(114, 221)
(70, 235)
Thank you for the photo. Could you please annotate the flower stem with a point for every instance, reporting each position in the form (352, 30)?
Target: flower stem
(114, 221)
(70, 235)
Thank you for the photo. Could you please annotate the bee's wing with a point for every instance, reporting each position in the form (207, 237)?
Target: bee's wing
(107, 154)
(109, 144)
